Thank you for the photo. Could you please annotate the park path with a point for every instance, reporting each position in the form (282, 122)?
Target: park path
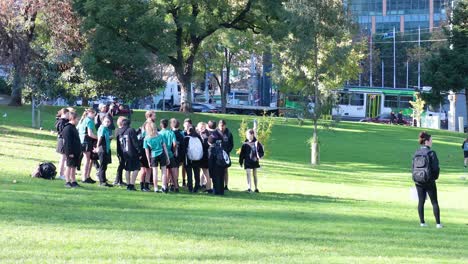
(4, 99)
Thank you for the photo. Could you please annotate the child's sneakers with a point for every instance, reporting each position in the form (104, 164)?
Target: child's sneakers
(248, 190)
(423, 225)
(439, 226)
(68, 185)
(257, 191)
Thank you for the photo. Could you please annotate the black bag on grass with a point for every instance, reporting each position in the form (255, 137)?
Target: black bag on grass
(45, 170)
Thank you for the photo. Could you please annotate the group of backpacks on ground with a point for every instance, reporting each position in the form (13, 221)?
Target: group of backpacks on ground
(203, 152)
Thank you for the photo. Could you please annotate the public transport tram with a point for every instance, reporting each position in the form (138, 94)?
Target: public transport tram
(356, 103)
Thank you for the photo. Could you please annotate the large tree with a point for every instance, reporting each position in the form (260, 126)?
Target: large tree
(447, 69)
(174, 30)
(19, 44)
(318, 55)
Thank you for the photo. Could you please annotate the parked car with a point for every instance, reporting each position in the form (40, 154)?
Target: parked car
(200, 108)
(385, 119)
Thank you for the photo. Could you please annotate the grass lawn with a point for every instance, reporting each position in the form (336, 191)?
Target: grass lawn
(353, 208)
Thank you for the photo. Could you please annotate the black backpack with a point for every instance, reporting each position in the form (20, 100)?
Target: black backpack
(222, 158)
(422, 167)
(46, 171)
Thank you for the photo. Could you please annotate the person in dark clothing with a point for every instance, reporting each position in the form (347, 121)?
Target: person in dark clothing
(429, 187)
(180, 153)
(400, 118)
(392, 118)
(465, 152)
(103, 151)
(250, 155)
(71, 149)
(194, 154)
(228, 145)
(187, 124)
(104, 112)
(131, 152)
(216, 171)
(204, 164)
(119, 176)
(145, 171)
(60, 122)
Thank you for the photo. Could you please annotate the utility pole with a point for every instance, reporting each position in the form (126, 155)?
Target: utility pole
(370, 62)
(419, 58)
(394, 58)
(383, 75)
(407, 73)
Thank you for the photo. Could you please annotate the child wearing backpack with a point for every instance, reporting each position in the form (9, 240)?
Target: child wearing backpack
(193, 157)
(249, 157)
(157, 154)
(103, 151)
(425, 173)
(131, 152)
(465, 151)
(60, 122)
(71, 149)
(218, 161)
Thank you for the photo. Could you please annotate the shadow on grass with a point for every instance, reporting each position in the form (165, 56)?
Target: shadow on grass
(8, 132)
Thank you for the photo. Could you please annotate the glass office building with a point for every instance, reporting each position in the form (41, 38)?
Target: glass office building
(381, 16)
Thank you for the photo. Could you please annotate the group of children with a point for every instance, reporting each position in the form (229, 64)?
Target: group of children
(202, 152)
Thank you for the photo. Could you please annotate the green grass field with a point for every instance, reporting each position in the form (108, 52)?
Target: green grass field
(353, 208)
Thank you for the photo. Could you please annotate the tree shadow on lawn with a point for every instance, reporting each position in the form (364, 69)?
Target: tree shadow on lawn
(27, 158)
(214, 221)
(8, 132)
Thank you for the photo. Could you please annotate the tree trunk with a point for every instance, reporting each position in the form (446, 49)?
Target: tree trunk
(222, 90)
(185, 94)
(317, 111)
(16, 89)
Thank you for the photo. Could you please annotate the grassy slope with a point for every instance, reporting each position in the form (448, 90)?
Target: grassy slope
(355, 207)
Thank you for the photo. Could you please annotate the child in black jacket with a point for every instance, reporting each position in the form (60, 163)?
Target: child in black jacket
(250, 155)
(72, 149)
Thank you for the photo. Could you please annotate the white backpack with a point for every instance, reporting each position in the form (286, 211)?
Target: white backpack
(195, 149)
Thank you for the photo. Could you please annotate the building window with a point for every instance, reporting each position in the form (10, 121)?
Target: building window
(344, 99)
(404, 101)
(357, 99)
(391, 101)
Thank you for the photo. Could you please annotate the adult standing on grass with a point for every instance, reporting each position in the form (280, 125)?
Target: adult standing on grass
(228, 145)
(60, 122)
(425, 173)
(71, 149)
(86, 129)
(103, 151)
(465, 152)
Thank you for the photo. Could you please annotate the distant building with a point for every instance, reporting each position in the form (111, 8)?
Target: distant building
(381, 16)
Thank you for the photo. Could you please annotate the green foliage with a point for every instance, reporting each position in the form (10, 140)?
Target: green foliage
(263, 130)
(446, 69)
(418, 108)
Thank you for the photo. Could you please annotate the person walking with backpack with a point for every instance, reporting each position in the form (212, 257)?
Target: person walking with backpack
(250, 155)
(131, 153)
(465, 152)
(71, 149)
(228, 145)
(103, 150)
(86, 130)
(425, 173)
(194, 150)
(218, 162)
(60, 122)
